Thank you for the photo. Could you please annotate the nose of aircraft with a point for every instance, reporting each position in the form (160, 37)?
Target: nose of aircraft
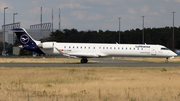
(173, 53)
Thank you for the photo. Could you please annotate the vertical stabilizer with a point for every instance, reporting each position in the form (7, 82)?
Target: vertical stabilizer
(28, 43)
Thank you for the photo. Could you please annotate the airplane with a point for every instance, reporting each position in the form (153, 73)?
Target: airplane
(91, 50)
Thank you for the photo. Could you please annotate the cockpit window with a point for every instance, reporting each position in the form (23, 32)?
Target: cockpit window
(164, 49)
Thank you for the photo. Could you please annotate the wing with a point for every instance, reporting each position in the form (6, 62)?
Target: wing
(84, 55)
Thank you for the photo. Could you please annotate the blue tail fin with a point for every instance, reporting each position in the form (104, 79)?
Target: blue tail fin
(28, 43)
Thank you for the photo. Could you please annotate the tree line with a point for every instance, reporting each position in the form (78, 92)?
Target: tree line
(162, 36)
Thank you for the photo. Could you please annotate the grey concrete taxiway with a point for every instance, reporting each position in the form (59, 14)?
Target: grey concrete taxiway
(101, 62)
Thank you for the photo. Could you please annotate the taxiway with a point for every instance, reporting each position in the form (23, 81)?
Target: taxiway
(101, 62)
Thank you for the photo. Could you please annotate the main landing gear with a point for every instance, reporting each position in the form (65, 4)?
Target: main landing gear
(84, 60)
(166, 60)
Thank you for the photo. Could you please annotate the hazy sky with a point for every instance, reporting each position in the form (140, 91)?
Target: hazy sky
(93, 14)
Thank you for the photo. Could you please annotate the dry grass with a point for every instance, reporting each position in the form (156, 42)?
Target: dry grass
(154, 60)
(89, 84)
(39, 60)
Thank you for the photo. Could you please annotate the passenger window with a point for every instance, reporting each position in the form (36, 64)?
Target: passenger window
(99, 47)
(106, 47)
(81, 47)
(64, 46)
(118, 48)
(122, 48)
(130, 48)
(73, 46)
(84, 47)
(114, 47)
(69, 46)
(103, 47)
(110, 47)
(94, 47)
(77, 47)
(89, 47)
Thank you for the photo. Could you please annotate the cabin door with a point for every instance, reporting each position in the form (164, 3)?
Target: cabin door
(153, 51)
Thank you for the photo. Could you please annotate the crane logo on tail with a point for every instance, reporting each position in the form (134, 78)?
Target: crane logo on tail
(24, 39)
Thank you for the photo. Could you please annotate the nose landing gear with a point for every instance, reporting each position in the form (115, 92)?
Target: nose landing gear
(166, 60)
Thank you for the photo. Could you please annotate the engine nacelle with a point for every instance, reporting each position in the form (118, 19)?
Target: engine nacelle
(46, 45)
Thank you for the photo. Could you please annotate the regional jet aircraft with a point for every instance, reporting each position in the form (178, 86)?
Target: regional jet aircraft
(91, 50)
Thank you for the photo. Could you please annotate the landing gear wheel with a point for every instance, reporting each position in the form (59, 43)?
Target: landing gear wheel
(166, 60)
(84, 60)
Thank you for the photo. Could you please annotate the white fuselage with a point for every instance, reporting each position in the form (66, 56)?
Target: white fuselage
(93, 50)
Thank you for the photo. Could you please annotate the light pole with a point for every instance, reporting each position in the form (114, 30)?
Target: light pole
(119, 30)
(143, 30)
(59, 21)
(4, 33)
(173, 30)
(52, 20)
(13, 24)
